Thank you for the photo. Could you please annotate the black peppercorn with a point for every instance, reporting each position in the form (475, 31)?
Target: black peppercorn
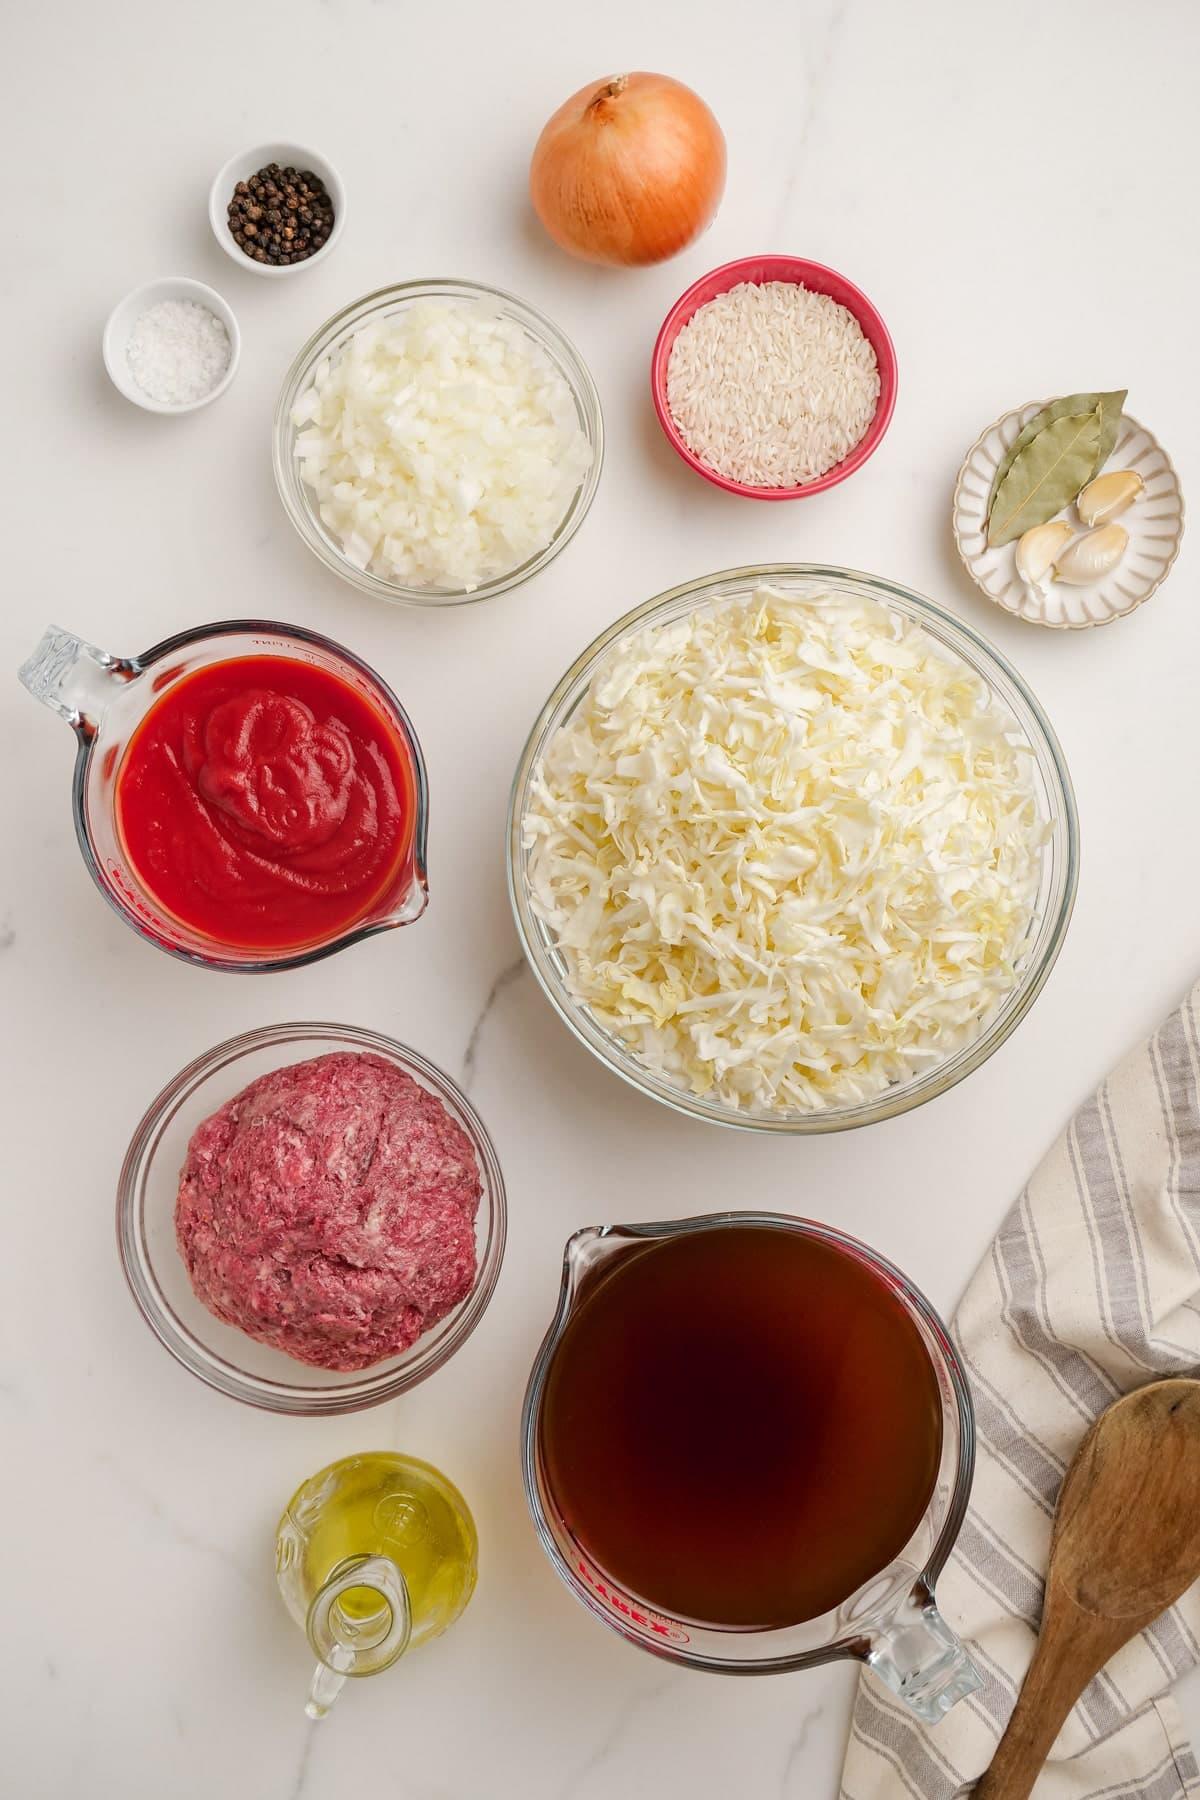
(280, 215)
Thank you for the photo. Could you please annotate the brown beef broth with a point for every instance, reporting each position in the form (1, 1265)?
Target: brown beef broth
(741, 1426)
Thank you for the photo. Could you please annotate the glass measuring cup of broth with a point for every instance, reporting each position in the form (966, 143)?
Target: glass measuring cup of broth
(247, 795)
(748, 1447)
(374, 1555)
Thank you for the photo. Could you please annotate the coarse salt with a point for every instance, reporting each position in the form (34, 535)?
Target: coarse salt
(178, 351)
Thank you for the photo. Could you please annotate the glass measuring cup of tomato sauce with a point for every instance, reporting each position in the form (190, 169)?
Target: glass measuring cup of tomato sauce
(748, 1446)
(247, 795)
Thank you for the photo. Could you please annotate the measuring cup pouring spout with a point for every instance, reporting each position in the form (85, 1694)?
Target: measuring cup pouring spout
(105, 698)
(588, 1251)
(891, 1622)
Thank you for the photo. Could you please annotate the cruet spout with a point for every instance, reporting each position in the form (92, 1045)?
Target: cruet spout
(74, 678)
(360, 1622)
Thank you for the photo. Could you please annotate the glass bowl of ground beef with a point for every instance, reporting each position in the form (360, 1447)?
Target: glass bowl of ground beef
(311, 1218)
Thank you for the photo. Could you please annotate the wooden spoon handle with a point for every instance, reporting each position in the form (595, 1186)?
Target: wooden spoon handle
(1073, 1645)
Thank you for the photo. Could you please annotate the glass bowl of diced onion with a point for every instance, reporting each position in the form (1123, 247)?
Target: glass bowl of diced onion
(302, 504)
(1052, 867)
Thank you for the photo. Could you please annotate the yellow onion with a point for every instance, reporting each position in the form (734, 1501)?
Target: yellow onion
(629, 170)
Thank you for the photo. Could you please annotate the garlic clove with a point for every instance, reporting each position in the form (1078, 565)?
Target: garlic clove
(1037, 550)
(1091, 556)
(1108, 495)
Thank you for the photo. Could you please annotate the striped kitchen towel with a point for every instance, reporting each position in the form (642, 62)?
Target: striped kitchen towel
(1091, 1288)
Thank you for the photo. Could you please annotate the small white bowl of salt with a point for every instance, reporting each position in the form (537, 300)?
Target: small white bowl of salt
(172, 346)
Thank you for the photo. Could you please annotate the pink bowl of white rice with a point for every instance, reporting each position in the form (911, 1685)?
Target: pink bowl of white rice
(774, 377)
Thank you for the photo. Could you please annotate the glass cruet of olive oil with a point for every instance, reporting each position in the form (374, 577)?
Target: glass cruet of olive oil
(374, 1555)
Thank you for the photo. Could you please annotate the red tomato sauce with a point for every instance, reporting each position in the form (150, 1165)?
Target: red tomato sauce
(268, 804)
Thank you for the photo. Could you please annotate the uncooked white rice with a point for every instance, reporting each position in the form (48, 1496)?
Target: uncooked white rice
(771, 385)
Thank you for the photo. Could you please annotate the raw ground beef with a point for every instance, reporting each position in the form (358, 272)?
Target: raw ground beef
(329, 1210)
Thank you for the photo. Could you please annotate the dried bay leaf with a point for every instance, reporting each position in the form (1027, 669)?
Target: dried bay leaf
(1046, 476)
(1110, 406)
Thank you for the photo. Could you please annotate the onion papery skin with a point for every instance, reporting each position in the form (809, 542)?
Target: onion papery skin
(629, 171)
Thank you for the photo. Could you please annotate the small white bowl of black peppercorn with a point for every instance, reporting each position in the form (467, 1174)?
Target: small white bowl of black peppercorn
(277, 209)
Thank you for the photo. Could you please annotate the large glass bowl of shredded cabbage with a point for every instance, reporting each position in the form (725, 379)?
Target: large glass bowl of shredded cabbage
(792, 849)
(437, 442)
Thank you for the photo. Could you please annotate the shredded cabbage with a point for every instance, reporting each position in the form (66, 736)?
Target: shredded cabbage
(441, 443)
(790, 850)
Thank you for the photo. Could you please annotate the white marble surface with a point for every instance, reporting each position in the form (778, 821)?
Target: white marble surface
(1016, 250)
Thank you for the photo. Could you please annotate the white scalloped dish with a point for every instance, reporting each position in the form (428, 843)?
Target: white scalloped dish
(1154, 523)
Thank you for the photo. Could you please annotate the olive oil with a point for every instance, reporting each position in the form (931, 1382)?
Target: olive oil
(409, 1532)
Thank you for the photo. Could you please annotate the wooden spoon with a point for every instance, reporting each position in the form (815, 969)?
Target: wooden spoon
(1126, 1544)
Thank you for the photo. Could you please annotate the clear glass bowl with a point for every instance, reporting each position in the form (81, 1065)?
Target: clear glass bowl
(1060, 861)
(299, 502)
(222, 1356)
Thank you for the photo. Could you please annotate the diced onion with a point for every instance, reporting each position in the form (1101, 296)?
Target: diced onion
(790, 850)
(442, 445)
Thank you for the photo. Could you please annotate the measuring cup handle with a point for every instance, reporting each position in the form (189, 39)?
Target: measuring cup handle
(74, 678)
(918, 1656)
